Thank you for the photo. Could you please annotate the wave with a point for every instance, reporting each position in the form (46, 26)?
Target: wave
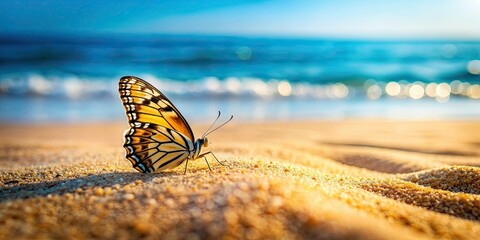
(74, 87)
(79, 67)
(195, 57)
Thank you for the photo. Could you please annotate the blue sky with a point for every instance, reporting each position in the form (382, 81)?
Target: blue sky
(425, 19)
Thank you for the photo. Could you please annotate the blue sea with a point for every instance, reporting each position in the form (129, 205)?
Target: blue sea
(52, 78)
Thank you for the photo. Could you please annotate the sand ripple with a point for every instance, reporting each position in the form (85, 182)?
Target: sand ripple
(455, 179)
(285, 181)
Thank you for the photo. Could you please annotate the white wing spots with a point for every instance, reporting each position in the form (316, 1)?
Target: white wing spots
(150, 143)
(126, 87)
(133, 116)
(128, 99)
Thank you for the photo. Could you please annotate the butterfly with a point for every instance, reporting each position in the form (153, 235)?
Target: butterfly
(159, 137)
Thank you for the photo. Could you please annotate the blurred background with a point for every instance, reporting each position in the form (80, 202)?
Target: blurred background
(60, 61)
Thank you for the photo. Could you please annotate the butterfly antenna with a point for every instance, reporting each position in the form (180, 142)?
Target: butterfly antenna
(231, 117)
(205, 134)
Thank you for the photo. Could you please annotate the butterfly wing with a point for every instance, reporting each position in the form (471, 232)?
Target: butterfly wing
(152, 147)
(145, 104)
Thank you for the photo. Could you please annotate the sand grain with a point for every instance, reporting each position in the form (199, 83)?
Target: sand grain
(326, 180)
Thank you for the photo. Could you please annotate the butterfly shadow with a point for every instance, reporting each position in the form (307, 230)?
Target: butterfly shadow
(61, 187)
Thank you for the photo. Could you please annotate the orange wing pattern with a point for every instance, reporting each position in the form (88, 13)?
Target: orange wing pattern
(153, 148)
(145, 104)
(159, 137)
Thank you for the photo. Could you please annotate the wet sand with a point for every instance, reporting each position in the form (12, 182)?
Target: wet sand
(354, 179)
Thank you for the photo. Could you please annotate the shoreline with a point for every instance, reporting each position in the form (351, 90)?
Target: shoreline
(204, 109)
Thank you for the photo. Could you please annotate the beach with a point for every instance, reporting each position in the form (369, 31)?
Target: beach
(348, 179)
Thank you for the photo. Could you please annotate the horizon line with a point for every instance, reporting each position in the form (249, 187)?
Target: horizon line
(67, 34)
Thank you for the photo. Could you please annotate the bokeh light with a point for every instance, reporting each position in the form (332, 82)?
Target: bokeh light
(416, 91)
(284, 88)
(340, 90)
(233, 85)
(244, 53)
(393, 89)
(443, 90)
(40, 85)
(454, 85)
(300, 90)
(374, 92)
(431, 90)
(473, 67)
(474, 91)
(463, 88)
(213, 84)
(449, 50)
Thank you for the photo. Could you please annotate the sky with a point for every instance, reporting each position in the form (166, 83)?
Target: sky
(400, 19)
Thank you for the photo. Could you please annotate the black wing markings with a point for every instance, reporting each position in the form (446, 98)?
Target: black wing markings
(138, 81)
(146, 133)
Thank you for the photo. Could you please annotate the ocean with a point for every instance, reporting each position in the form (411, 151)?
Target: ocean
(51, 78)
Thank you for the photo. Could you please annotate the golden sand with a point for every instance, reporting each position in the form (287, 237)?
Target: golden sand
(330, 180)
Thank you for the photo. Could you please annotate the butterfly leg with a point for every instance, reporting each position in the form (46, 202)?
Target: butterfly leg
(209, 152)
(186, 164)
(207, 163)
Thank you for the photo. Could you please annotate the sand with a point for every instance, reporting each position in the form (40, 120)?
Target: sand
(354, 179)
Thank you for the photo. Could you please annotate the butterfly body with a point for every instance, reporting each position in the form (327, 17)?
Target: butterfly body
(159, 137)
